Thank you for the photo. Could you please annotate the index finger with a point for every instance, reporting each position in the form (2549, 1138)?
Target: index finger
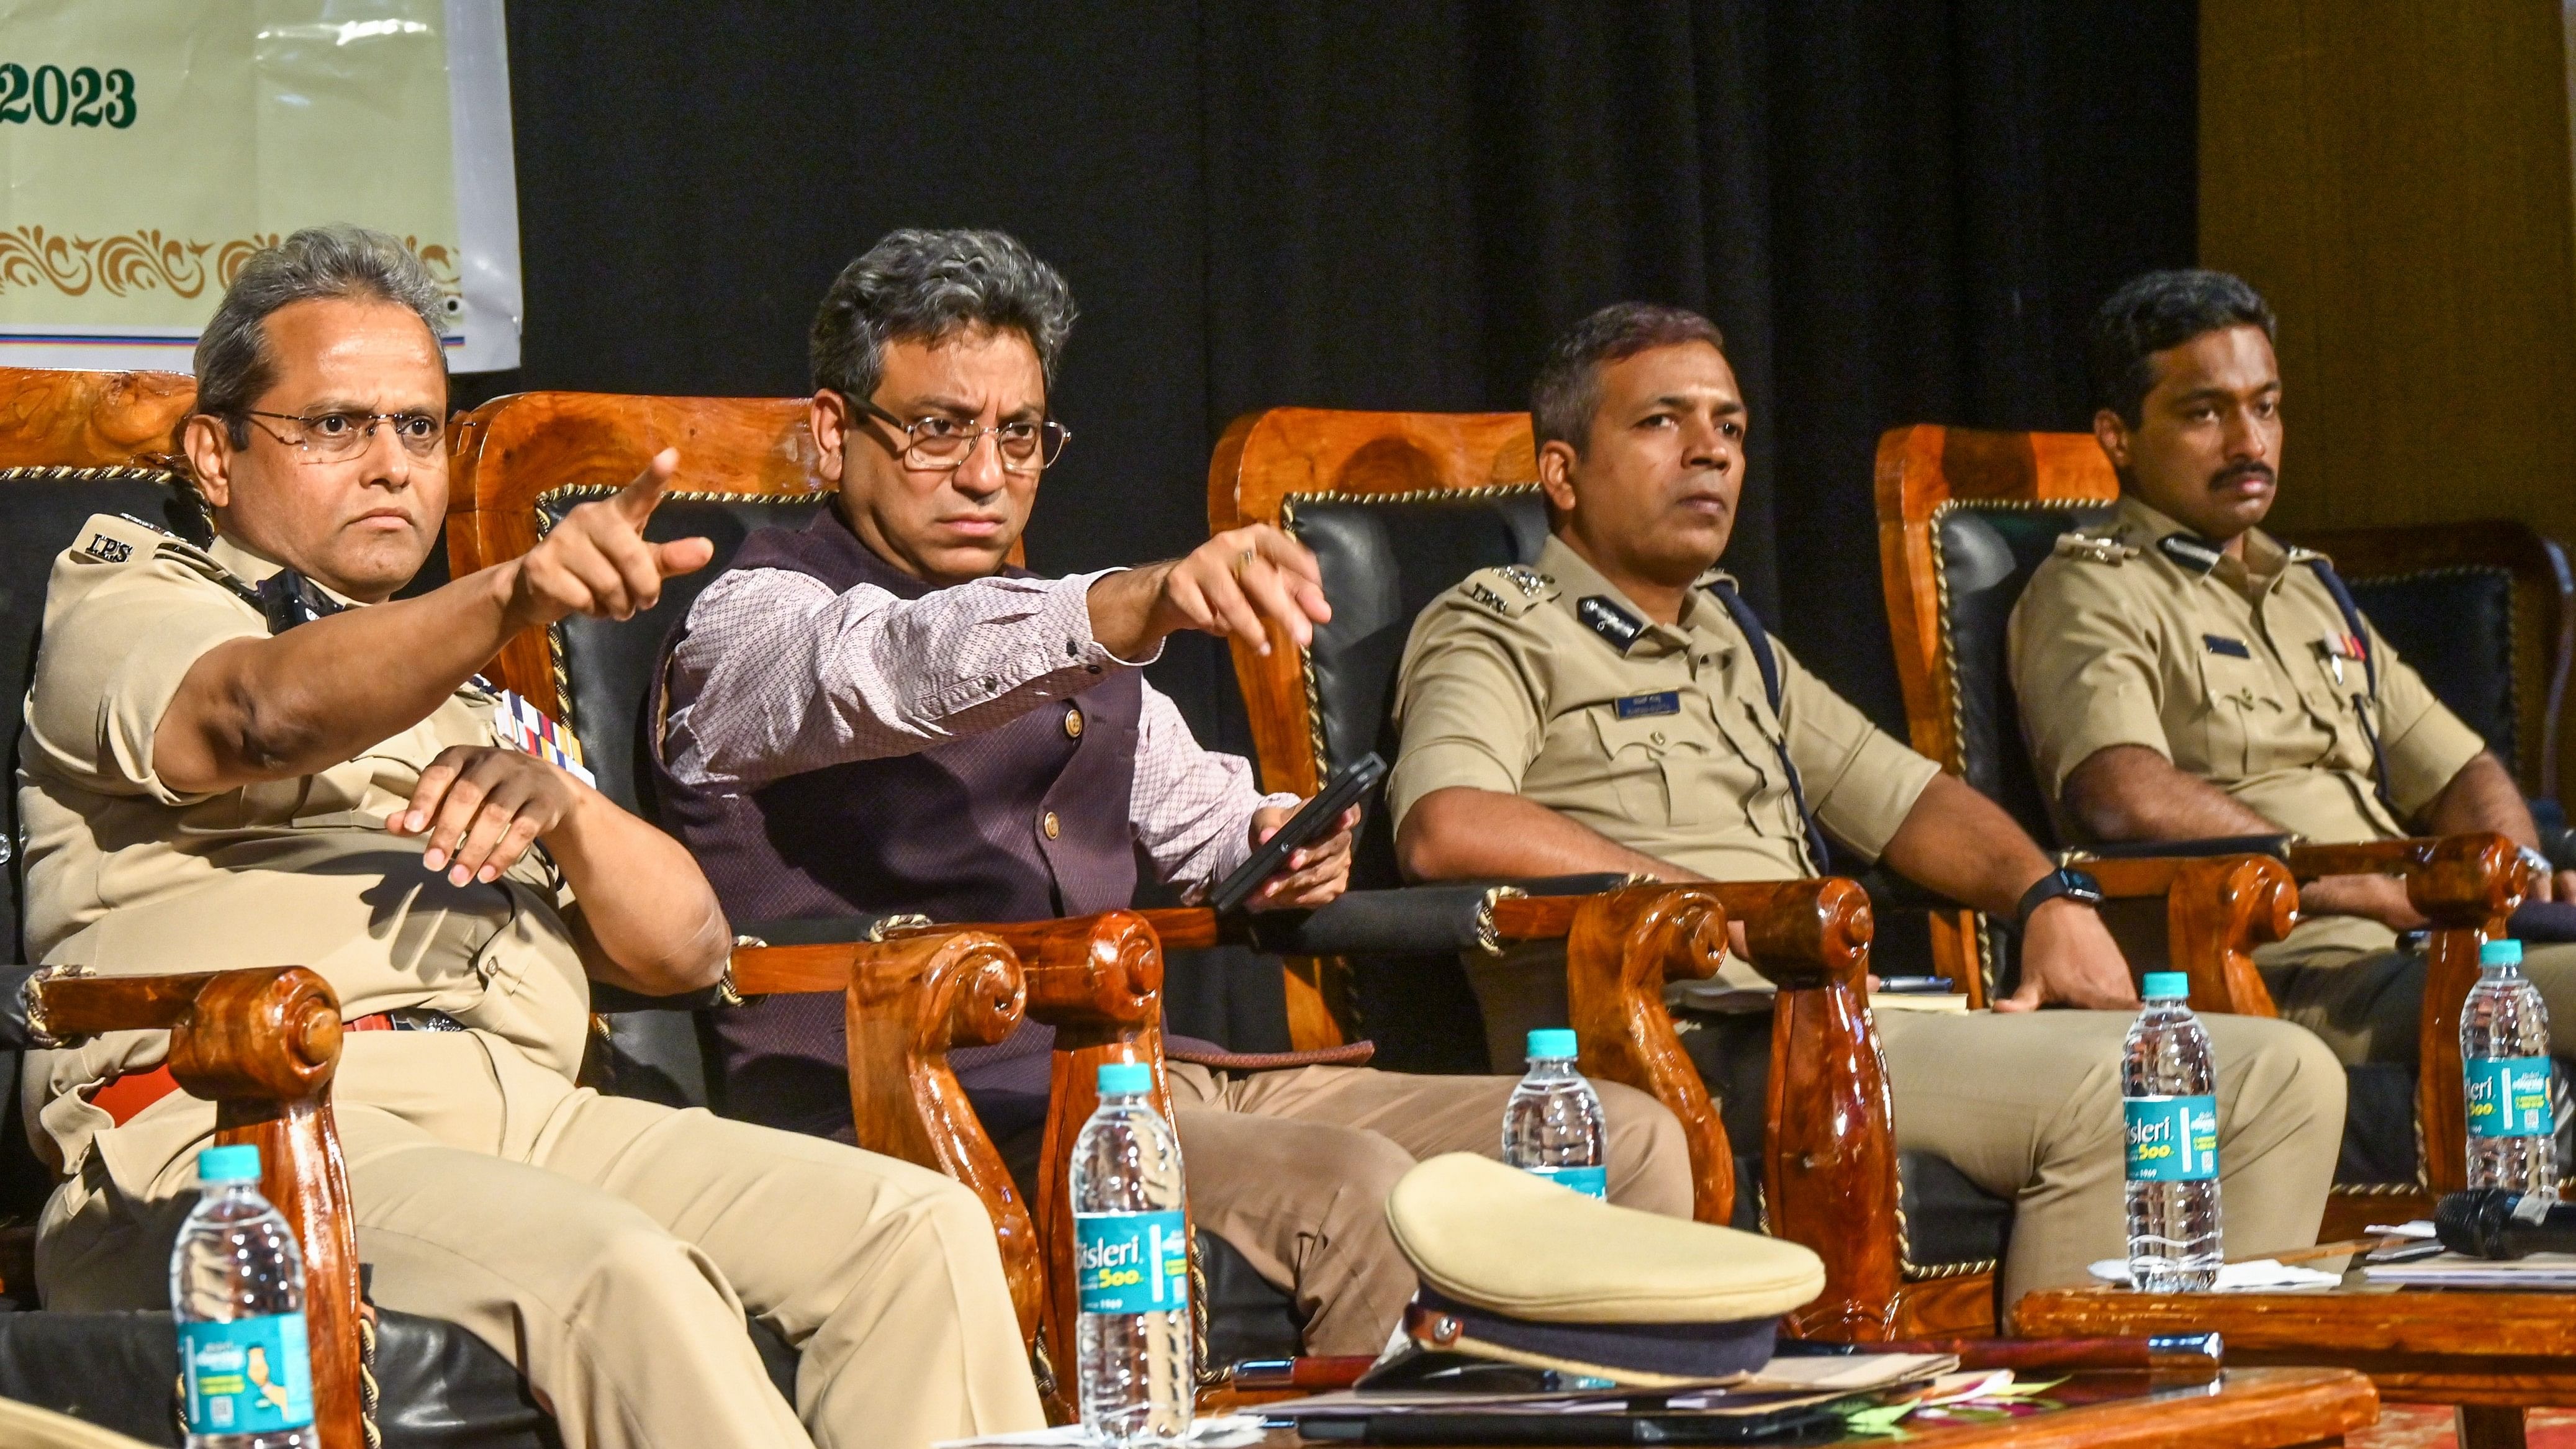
(1288, 555)
(638, 499)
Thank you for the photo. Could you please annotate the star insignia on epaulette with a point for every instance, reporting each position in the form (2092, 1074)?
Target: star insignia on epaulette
(1528, 580)
(2094, 550)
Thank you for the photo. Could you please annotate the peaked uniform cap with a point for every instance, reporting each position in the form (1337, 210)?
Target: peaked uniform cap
(1495, 1238)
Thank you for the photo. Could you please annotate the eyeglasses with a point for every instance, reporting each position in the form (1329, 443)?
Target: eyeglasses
(338, 437)
(937, 442)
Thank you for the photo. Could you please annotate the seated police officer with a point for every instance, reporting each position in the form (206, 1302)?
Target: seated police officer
(2184, 674)
(1606, 710)
(873, 714)
(241, 755)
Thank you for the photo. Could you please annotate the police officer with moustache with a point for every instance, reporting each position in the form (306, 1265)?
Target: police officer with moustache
(2184, 674)
(1607, 709)
(241, 754)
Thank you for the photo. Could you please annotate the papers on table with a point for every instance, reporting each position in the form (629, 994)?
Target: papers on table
(1225, 1431)
(1786, 1382)
(1918, 1001)
(2252, 1275)
(2420, 1228)
(2539, 1273)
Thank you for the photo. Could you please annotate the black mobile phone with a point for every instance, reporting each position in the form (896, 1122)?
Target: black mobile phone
(1312, 822)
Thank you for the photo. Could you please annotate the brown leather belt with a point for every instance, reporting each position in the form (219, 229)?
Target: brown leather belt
(123, 1098)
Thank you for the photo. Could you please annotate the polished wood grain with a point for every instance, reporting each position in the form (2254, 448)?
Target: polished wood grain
(1829, 1147)
(1620, 950)
(262, 1045)
(2217, 910)
(64, 418)
(2465, 1347)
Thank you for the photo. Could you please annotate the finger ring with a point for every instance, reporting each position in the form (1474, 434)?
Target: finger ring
(1242, 562)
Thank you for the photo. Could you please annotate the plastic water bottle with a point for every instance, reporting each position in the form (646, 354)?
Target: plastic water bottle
(2504, 1051)
(1132, 1259)
(1552, 1125)
(2170, 1110)
(237, 1290)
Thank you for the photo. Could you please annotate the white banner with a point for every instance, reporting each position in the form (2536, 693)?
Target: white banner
(148, 147)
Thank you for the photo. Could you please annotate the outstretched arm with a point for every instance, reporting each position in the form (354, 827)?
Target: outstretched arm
(1461, 833)
(276, 708)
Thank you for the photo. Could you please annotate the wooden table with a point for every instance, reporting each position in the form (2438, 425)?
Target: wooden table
(2272, 1408)
(2491, 1354)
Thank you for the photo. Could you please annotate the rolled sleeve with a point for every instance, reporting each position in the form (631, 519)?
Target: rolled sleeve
(2084, 671)
(1467, 707)
(1858, 779)
(113, 657)
(2425, 744)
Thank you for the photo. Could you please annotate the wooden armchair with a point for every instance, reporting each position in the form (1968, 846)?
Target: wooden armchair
(1399, 507)
(263, 1043)
(518, 465)
(1964, 517)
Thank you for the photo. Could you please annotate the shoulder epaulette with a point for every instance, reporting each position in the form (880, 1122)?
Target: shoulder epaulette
(2092, 548)
(1511, 591)
(121, 538)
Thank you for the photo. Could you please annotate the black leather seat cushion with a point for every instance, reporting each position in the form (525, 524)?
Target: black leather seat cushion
(442, 1388)
(2455, 627)
(1383, 563)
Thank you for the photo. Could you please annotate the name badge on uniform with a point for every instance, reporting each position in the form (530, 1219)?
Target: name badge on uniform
(2221, 644)
(1638, 706)
(524, 727)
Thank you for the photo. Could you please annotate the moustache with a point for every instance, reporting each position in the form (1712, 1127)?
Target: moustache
(2234, 471)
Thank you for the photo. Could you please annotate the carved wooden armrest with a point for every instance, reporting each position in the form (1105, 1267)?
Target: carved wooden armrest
(262, 1045)
(2467, 885)
(1830, 1164)
(1098, 980)
(2218, 908)
(909, 999)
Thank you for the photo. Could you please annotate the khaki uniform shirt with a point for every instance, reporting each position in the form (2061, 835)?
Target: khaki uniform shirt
(1549, 683)
(127, 876)
(2237, 672)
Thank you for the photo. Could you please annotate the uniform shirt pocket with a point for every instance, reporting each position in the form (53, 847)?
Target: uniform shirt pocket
(2244, 704)
(1653, 760)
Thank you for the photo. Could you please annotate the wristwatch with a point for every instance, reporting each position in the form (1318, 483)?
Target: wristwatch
(2065, 881)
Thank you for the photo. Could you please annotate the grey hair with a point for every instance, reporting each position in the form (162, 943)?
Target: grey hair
(341, 261)
(928, 286)
(1567, 390)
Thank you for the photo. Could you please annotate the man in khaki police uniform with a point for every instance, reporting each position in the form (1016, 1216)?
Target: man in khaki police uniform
(1604, 711)
(213, 777)
(2184, 674)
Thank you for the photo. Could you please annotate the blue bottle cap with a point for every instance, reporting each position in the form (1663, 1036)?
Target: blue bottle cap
(1554, 1042)
(2167, 986)
(2507, 952)
(1125, 1078)
(228, 1164)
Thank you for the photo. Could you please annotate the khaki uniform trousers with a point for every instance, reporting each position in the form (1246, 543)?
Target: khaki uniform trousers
(611, 1248)
(24, 1426)
(2368, 1005)
(2027, 1107)
(1293, 1169)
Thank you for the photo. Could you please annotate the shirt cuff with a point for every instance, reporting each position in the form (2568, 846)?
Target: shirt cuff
(1074, 596)
(1442, 765)
(2426, 757)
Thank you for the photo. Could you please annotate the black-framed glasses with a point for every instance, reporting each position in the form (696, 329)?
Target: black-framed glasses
(938, 441)
(333, 437)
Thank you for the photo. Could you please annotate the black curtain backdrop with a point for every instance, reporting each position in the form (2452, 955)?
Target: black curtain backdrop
(1897, 213)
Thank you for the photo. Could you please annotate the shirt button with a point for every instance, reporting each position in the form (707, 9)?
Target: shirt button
(1657, 737)
(1047, 823)
(1073, 722)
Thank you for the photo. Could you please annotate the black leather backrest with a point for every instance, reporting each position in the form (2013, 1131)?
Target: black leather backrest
(1384, 561)
(2455, 627)
(41, 511)
(1985, 554)
(605, 667)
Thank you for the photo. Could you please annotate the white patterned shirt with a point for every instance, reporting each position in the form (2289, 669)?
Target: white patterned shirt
(785, 676)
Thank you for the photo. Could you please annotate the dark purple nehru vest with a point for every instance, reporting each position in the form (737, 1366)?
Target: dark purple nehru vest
(955, 832)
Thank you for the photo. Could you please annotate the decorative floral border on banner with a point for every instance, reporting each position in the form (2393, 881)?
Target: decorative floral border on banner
(146, 260)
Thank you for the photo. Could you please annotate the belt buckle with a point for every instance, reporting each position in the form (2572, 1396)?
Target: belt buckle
(419, 1018)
